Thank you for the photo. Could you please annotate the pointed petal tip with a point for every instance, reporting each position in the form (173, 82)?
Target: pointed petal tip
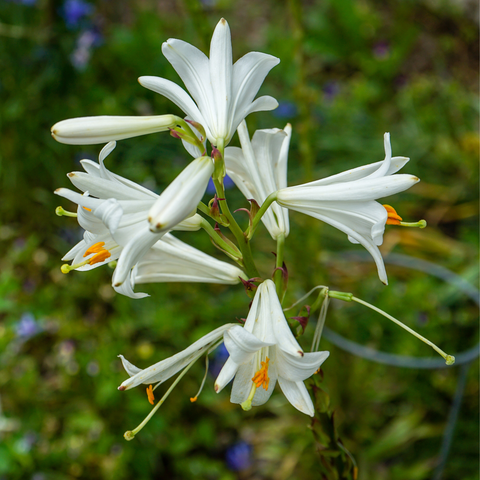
(300, 353)
(122, 388)
(216, 388)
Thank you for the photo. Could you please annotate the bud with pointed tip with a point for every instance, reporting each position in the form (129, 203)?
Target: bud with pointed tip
(182, 196)
(103, 129)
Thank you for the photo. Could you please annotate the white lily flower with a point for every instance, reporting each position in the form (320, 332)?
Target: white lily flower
(347, 200)
(222, 93)
(259, 168)
(114, 213)
(102, 129)
(163, 370)
(171, 260)
(262, 352)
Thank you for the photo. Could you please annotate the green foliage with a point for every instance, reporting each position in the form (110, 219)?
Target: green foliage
(349, 72)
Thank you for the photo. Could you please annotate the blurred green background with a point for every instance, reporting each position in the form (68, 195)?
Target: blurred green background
(349, 71)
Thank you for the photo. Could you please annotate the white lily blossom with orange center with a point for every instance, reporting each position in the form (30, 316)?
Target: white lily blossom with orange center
(114, 213)
(259, 168)
(347, 200)
(223, 94)
(264, 351)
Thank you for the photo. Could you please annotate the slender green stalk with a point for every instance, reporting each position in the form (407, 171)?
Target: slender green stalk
(278, 275)
(234, 254)
(449, 359)
(242, 241)
(268, 201)
(130, 434)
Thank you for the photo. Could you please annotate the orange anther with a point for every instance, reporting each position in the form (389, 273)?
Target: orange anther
(95, 248)
(261, 377)
(151, 397)
(393, 217)
(193, 399)
(87, 209)
(100, 257)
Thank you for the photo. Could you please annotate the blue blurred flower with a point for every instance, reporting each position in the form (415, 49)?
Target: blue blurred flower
(286, 110)
(331, 90)
(27, 326)
(227, 183)
(74, 11)
(239, 456)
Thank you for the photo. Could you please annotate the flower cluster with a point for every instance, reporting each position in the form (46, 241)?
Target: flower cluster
(130, 226)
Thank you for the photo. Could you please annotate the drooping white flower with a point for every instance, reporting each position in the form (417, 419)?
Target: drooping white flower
(171, 260)
(222, 93)
(259, 168)
(262, 352)
(114, 212)
(163, 370)
(103, 129)
(347, 200)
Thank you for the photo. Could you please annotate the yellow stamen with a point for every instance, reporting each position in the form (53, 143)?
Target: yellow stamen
(261, 377)
(193, 399)
(393, 217)
(100, 257)
(151, 397)
(87, 209)
(95, 248)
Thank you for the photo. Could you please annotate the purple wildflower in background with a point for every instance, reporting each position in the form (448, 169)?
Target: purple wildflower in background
(83, 51)
(330, 90)
(239, 456)
(27, 326)
(74, 11)
(381, 50)
(227, 183)
(285, 110)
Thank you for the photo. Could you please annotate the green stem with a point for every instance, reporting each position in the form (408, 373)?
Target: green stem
(265, 205)
(449, 359)
(242, 241)
(278, 276)
(130, 434)
(235, 254)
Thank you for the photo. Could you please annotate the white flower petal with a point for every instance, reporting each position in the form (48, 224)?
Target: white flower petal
(226, 374)
(163, 370)
(298, 369)
(297, 395)
(241, 344)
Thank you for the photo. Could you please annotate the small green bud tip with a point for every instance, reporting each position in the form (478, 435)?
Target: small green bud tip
(346, 297)
(59, 211)
(450, 360)
(65, 268)
(246, 405)
(129, 435)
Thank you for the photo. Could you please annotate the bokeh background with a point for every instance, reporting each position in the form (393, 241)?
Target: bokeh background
(349, 71)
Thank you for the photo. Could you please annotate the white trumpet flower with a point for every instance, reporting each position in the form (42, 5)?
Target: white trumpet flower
(114, 212)
(103, 129)
(259, 168)
(262, 352)
(222, 93)
(347, 200)
(171, 260)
